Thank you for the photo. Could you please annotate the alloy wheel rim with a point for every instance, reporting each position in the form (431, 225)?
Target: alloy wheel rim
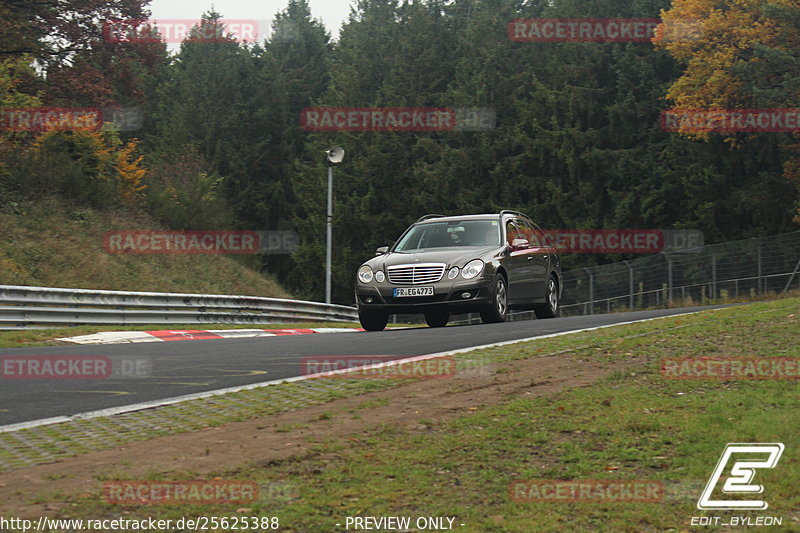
(501, 297)
(553, 296)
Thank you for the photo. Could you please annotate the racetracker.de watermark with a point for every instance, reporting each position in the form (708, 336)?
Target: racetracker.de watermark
(603, 30)
(74, 367)
(397, 119)
(586, 491)
(377, 367)
(731, 120)
(201, 242)
(623, 241)
(43, 119)
(180, 492)
(175, 31)
(731, 368)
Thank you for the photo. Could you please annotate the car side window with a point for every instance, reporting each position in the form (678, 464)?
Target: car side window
(542, 236)
(512, 232)
(530, 234)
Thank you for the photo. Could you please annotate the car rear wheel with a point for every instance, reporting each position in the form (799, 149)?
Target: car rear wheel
(550, 308)
(373, 320)
(499, 310)
(437, 319)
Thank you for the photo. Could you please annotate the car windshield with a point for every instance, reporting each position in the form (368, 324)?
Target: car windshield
(450, 234)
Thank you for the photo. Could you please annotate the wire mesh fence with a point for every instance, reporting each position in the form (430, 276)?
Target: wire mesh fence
(749, 267)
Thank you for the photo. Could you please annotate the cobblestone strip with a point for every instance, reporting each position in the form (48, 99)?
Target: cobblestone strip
(47, 444)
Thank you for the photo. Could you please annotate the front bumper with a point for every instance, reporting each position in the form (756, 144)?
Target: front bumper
(454, 296)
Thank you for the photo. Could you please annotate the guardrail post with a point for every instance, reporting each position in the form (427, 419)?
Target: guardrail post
(630, 285)
(759, 290)
(591, 291)
(713, 276)
(641, 294)
(669, 277)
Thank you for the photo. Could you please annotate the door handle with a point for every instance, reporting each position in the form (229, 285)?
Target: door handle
(530, 258)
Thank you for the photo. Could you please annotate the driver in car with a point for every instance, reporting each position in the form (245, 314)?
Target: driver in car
(488, 237)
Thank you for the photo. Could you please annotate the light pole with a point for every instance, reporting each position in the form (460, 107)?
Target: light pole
(335, 156)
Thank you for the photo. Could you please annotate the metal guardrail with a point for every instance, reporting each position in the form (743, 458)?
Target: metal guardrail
(22, 307)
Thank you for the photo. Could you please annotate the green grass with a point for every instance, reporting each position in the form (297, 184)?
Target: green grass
(633, 425)
(50, 243)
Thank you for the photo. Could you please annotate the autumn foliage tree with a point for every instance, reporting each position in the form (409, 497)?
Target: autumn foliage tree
(738, 54)
(58, 55)
(129, 172)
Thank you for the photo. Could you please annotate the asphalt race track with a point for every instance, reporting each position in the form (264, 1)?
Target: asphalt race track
(170, 369)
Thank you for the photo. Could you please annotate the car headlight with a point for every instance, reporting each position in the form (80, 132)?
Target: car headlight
(472, 269)
(380, 277)
(452, 273)
(365, 274)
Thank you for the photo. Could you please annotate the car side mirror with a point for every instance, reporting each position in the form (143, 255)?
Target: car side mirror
(382, 250)
(519, 244)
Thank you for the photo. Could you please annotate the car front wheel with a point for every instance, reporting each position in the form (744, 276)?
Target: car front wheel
(499, 310)
(373, 320)
(550, 308)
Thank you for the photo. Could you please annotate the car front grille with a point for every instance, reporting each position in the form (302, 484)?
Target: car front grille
(416, 274)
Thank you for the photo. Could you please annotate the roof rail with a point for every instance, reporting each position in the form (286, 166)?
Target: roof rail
(426, 217)
(512, 212)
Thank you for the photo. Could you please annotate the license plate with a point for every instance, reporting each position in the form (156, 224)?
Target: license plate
(402, 292)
